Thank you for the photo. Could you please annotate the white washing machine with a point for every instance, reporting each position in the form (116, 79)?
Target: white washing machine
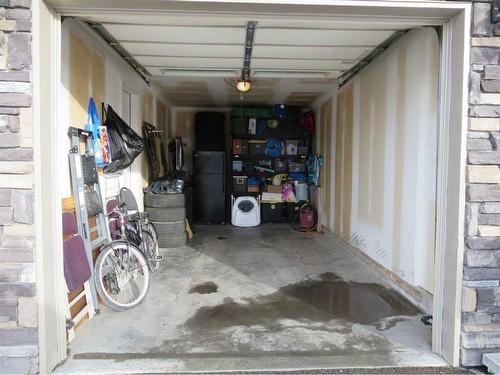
(245, 211)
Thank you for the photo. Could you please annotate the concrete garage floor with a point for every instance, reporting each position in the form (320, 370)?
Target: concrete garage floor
(258, 299)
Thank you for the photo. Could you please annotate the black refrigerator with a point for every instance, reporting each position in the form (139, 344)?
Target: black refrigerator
(209, 182)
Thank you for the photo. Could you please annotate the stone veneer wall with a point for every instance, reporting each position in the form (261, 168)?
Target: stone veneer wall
(481, 291)
(18, 309)
(18, 322)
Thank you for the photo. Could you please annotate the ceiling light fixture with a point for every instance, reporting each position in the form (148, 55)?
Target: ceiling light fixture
(243, 85)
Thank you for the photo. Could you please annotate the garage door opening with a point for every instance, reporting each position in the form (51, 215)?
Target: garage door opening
(269, 296)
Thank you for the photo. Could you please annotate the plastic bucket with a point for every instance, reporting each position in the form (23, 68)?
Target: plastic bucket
(301, 192)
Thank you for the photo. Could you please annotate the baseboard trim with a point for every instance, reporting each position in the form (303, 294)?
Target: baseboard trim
(418, 296)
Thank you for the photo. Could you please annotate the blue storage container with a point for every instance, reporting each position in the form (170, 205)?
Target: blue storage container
(237, 166)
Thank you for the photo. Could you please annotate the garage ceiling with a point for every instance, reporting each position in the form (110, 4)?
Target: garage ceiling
(294, 60)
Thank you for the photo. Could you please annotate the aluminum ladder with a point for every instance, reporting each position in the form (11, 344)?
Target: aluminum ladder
(87, 196)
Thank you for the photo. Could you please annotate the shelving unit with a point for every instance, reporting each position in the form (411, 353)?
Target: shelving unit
(290, 132)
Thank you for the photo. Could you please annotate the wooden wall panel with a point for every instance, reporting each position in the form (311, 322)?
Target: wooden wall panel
(86, 79)
(160, 115)
(147, 107)
(372, 150)
(326, 140)
(386, 129)
(343, 157)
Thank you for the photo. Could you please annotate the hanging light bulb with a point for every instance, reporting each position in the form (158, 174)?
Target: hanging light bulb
(243, 85)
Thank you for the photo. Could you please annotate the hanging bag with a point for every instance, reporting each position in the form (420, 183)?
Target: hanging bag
(100, 139)
(126, 144)
(306, 121)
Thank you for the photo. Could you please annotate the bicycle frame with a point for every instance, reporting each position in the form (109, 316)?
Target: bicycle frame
(141, 229)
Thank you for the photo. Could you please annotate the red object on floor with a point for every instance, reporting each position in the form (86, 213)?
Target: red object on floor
(306, 217)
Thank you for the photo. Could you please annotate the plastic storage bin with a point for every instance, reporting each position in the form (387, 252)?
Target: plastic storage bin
(257, 112)
(302, 191)
(291, 209)
(249, 166)
(297, 167)
(272, 212)
(240, 147)
(237, 166)
(239, 125)
(256, 148)
(240, 183)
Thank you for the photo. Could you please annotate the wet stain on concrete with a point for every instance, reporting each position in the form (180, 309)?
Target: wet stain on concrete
(314, 317)
(204, 288)
(320, 300)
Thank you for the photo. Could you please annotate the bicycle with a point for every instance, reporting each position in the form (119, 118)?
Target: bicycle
(141, 232)
(121, 269)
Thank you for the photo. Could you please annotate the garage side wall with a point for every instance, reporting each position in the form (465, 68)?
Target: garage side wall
(385, 161)
(90, 68)
(18, 309)
(481, 291)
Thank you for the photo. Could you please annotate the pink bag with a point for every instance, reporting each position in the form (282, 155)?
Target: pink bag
(288, 194)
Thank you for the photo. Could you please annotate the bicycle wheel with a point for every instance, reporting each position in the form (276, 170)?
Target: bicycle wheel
(121, 275)
(152, 248)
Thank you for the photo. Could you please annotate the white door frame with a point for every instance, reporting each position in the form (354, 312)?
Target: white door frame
(450, 210)
(51, 287)
(451, 157)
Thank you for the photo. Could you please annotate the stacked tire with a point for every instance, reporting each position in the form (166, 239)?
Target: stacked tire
(167, 212)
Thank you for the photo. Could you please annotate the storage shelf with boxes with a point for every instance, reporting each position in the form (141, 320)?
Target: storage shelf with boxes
(269, 157)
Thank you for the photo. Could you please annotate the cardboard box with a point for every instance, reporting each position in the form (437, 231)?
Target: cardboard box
(253, 188)
(274, 189)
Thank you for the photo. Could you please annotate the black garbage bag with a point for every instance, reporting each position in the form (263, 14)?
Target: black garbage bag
(173, 182)
(125, 143)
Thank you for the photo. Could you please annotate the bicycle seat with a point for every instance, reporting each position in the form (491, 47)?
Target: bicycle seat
(127, 196)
